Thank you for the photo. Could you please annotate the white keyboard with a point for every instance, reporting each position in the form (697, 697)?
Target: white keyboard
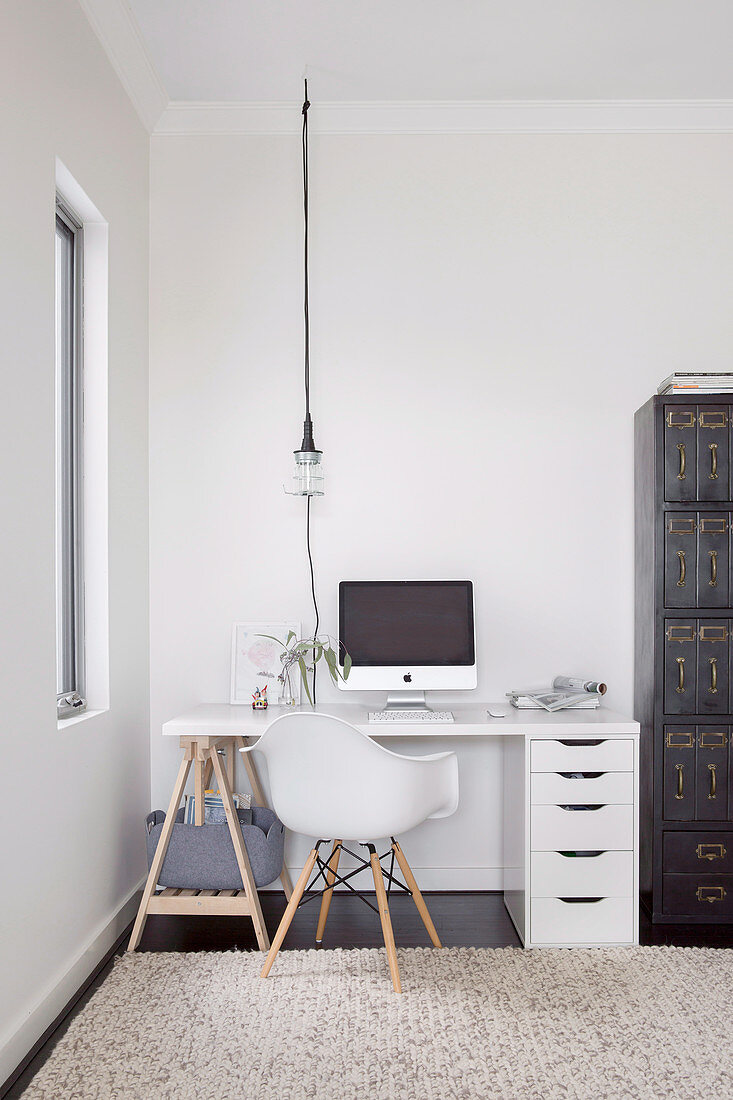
(405, 716)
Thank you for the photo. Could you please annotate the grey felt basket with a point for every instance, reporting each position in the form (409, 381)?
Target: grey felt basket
(201, 857)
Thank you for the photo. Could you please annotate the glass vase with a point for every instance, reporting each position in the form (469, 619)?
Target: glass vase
(288, 697)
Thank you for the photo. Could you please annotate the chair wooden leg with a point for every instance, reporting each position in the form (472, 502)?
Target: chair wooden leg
(416, 895)
(386, 922)
(333, 864)
(289, 913)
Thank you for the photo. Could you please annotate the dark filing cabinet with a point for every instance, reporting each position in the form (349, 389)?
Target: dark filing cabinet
(683, 689)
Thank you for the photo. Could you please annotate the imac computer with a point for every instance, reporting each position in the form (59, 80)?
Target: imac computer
(406, 638)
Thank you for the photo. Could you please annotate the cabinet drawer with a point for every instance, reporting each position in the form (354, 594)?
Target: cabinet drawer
(698, 853)
(553, 788)
(557, 830)
(608, 920)
(608, 874)
(709, 896)
(568, 756)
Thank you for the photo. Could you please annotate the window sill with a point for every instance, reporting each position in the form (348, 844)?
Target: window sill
(74, 719)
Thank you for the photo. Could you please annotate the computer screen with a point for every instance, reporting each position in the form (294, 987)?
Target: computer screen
(407, 623)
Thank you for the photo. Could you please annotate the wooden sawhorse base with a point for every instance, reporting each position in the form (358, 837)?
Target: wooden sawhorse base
(204, 754)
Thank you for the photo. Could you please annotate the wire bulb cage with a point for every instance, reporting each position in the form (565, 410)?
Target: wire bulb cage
(307, 479)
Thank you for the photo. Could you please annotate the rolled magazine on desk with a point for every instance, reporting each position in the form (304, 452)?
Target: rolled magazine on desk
(568, 693)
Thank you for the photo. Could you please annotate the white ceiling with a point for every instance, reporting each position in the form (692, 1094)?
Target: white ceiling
(257, 50)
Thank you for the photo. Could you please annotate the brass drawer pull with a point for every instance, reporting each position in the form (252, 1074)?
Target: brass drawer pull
(683, 569)
(683, 462)
(680, 689)
(680, 781)
(713, 689)
(713, 783)
(710, 893)
(711, 852)
(713, 582)
(713, 475)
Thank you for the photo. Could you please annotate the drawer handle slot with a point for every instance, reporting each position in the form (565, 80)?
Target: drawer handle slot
(711, 893)
(713, 475)
(586, 855)
(713, 781)
(581, 775)
(583, 744)
(711, 851)
(577, 809)
(683, 569)
(683, 462)
(581, 901)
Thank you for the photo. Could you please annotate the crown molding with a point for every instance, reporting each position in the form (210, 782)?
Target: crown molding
(454, 117)
(114, 25)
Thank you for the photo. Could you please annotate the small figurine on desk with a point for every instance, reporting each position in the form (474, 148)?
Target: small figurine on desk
(259, 699)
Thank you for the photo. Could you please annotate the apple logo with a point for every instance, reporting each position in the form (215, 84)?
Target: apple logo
(407, 677)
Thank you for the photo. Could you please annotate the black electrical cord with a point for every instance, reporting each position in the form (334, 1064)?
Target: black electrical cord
(313, 583)
(306, 105)
(306, 317)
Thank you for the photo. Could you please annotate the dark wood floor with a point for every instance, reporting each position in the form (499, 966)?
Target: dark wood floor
(462, 920)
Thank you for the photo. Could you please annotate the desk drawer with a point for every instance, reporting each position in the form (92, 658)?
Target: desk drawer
(551, 788)
(608, 874)
(567, 756)
(709, 896)
(608, 828)
(608, 920)
(698, 853)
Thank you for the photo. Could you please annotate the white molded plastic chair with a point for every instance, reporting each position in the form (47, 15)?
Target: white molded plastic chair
(329, 780)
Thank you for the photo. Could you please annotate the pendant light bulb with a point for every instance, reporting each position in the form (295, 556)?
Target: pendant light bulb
(307, 480)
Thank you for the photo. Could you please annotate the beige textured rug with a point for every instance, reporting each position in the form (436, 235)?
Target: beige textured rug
(472, 1023)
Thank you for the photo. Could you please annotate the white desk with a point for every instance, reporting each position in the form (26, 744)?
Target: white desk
(553, 899)
(225, 720)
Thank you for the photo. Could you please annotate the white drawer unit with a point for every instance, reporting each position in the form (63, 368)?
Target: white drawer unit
(594, 788)
(571, 836)
(578, 875)
(591, 922)
(608, 828)
(584, 756)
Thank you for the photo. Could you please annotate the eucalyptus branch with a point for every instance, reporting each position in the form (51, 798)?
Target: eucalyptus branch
(306, 653)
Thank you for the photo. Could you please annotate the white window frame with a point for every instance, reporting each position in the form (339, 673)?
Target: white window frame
(70, 631)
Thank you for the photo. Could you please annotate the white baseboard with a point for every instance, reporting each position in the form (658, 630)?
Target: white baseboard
(430, 878)
(15, 1045)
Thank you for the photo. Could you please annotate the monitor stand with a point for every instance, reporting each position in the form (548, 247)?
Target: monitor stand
(406, 700)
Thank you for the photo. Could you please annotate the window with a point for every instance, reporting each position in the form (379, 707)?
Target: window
(70, 663)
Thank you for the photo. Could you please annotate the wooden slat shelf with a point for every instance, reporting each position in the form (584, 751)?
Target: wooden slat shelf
(205, 902)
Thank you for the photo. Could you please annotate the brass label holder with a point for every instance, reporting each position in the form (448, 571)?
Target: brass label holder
(711, 852)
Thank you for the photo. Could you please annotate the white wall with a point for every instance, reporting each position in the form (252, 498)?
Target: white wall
(487, 314)
(73, 799)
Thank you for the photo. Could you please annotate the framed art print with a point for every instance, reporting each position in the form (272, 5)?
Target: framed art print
(256, 660)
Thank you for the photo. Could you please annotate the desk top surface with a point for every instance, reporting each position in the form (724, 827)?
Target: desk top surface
(228, 720)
